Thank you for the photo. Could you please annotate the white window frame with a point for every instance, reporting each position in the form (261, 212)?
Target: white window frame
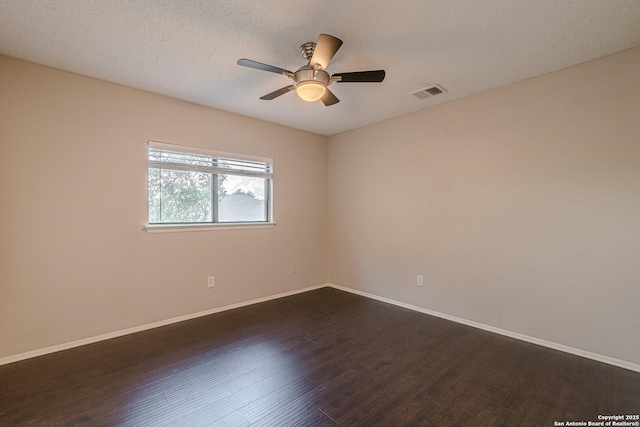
(268, 174)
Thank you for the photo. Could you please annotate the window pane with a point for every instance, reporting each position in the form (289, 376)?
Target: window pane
(185, 196)
(241, 199)
(154, 195)
(182, 187)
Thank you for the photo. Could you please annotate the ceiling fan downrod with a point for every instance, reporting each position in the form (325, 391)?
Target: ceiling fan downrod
(307, 49)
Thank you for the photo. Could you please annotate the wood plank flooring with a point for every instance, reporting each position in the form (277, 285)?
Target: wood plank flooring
(322, 358)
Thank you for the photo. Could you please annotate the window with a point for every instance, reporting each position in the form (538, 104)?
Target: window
(194, 186)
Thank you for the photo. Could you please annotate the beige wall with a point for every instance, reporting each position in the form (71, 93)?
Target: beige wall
(74, 261)
(520, 206)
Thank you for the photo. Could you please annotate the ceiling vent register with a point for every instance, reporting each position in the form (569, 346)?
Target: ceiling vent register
(429, 91)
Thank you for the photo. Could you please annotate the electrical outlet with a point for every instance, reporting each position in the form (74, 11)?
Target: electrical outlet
(294, 269)
(420, 280)
(211, 282)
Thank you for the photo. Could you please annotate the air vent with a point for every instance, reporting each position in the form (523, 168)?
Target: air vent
(429, 91)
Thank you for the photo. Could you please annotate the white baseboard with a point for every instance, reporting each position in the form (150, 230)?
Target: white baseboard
(91, 340)
(578, 352)
(561, 347)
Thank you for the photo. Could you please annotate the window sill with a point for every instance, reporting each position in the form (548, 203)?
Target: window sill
(173, 228)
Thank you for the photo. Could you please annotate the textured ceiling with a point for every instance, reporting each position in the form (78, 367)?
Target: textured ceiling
(187, 49)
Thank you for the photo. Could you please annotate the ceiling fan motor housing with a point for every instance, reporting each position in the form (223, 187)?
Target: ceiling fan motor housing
(310, 84)
(307, 73)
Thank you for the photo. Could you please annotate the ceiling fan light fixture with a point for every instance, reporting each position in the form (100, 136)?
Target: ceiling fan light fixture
(311, 91)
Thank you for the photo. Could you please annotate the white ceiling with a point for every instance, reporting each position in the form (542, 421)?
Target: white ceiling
(187, 49)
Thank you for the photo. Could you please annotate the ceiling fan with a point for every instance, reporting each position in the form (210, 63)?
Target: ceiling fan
(311, 82)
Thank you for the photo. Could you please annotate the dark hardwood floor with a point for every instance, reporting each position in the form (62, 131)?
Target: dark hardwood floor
(322, 358)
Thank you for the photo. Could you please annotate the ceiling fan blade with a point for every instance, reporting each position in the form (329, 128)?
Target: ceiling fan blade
(277, 93)
(329, 98)
(260, 66)
(326, 48)
(361, 76)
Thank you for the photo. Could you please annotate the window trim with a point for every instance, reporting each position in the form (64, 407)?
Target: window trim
(205, 226)
(202, 226)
